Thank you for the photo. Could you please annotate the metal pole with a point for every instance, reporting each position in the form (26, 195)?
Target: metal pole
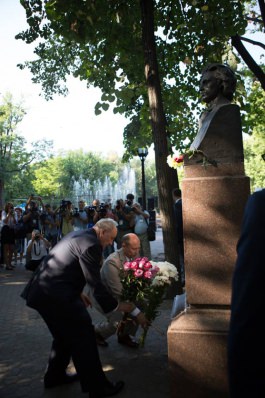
(143, 184)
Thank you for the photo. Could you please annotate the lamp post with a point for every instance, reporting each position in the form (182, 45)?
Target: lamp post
(142, 153)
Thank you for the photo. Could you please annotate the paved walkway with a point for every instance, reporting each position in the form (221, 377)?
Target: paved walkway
(25, 344)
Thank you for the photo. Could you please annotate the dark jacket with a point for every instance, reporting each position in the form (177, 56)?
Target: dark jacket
(74, 261)
(179, 223)
(246, 340)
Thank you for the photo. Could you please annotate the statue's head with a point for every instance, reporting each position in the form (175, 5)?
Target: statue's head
(224, 77)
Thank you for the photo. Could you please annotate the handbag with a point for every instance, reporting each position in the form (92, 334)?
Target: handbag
(151, 231)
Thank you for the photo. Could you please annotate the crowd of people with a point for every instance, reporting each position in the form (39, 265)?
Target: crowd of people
(23, 232)
(68, 248)
(75, 255)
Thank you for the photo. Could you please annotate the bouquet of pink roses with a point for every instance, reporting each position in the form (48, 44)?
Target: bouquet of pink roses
(144, 283)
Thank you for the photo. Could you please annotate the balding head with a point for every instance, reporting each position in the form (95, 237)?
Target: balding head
(131, 245)
(106, 230)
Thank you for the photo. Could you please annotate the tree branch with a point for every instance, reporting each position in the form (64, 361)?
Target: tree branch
(255, 43)
(253, 66)
(262, 10)
(3, 170)
(254, 20)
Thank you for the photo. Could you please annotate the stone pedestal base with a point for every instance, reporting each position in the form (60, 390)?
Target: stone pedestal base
(197, 354)
(213, 207)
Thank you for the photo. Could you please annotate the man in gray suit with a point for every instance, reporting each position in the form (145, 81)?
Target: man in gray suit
(110, 276)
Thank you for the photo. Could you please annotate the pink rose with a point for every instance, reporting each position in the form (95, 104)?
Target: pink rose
(148, 274)
(142, 261)
(134, 265)
(138, 273)
(141, 264)
(147, 265)
(127, 265)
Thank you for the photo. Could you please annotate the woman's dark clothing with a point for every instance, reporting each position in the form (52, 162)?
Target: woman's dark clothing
(7, 235)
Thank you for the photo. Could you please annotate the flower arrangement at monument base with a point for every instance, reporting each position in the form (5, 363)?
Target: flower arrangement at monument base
(145, 282)
(175, 161)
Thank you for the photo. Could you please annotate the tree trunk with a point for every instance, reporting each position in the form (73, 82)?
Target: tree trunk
(158, 122)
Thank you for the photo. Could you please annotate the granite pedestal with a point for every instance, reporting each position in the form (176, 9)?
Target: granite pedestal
(213, 200)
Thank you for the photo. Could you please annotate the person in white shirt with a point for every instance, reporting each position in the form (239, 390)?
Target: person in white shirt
(80, 217)
(37, 249)
(141, 218)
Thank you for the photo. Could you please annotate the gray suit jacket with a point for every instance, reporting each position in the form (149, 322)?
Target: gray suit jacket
(110, 273)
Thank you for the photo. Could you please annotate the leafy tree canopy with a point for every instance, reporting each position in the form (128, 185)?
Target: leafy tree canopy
(14, 156)
(101, 43)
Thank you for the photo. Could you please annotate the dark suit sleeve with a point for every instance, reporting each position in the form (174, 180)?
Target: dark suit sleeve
(246, 342)
(89, 262)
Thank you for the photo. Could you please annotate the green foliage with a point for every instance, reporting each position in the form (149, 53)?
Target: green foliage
(14, 157)
(254, 146)
(54, 178)
(47, 177)
(19, 186)
(101, 43)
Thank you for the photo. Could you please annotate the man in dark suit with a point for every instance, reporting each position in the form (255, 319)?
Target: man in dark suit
(56, 292)
(246, 339)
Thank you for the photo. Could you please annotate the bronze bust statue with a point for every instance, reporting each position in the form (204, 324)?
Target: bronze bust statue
(220, 134)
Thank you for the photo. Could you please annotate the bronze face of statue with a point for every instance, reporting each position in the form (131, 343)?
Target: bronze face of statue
(210, 87)
(218, 83)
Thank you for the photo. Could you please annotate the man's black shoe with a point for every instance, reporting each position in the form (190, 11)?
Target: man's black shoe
(127, 340)
(50, 381)
(100, 340)
(109, 390)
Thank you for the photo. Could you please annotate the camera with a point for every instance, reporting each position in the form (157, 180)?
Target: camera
(64, 204)
(91, 209)
(37, 236)
(129, 202)
(102, 210)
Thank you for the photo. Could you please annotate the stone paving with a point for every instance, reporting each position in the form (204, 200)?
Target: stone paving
(25, 343)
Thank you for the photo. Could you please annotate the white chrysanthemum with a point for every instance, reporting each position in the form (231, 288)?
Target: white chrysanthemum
(166, 271)
(160, 280)
(171, 162)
